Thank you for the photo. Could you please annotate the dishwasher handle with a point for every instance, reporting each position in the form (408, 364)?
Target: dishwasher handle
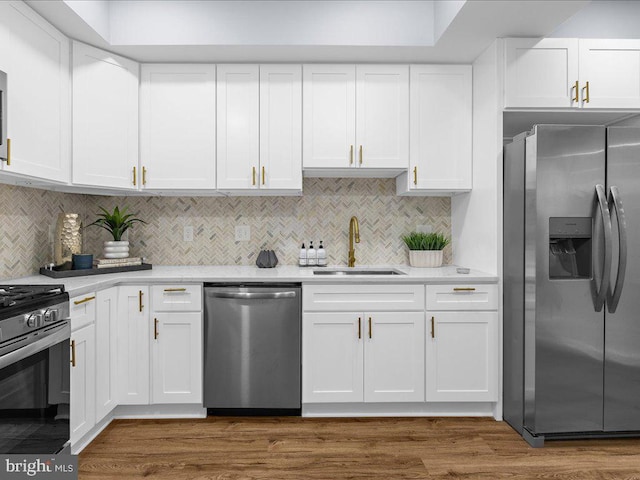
(252, 295)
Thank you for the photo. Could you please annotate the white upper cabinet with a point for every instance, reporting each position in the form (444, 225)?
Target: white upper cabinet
(355, 119)
(441, 131)
(35, 57)
(178, 127)
(105, 119)
(541, 73)
(572, 73)
(281, 127)
(238, 126)
(612, 68)
(259, 128)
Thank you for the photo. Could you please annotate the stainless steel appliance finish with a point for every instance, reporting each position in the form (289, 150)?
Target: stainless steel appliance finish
(252, 360)
(358, 271)
(4, 106)
(34, 369)
(571, 330)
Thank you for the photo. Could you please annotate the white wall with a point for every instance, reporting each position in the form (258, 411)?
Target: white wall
(277, 22)
(603, 19)
(476, 216)
(96, 13)
(443, 14)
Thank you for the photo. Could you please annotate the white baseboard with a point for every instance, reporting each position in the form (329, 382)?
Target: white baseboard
(81, 444)
(466, 409)
(160, 411)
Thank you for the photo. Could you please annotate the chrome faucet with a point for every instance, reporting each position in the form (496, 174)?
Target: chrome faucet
(354, 232)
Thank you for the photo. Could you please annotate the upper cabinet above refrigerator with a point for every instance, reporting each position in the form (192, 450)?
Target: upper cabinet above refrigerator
(545, 73)
(355, 120)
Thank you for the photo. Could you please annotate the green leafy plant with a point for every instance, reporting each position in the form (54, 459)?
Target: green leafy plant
(116, 223)
(425, 241)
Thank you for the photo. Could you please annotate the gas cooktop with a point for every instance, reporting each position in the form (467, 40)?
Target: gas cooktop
(16, 299)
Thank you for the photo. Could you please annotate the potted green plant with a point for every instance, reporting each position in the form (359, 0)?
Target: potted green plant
(116, 223)
(425, 249)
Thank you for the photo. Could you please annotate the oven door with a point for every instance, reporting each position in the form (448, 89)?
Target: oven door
(34, 395)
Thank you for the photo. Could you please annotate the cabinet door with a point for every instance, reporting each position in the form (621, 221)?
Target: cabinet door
(281, 127)
(612, 68)
(462, 357)
(177, 357)
(541, 72)
(106, 352)
(35, 57)
(382, 116)
(105, 119)
(133, 345)
(329, 116)
(394, 357)
(238, 126)
(441, 117)
(332, 357)
(83, 386)
(178, 126)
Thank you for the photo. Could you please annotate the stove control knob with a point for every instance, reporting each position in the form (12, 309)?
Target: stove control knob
(34, 320)
(51, 316)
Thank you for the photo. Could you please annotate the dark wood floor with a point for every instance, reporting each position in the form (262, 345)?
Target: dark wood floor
(303, 448)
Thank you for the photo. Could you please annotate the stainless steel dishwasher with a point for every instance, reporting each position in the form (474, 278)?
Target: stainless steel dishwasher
(252, 349)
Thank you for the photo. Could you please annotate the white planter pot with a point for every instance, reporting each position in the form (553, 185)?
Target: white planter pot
(113, 249)
(425, 258)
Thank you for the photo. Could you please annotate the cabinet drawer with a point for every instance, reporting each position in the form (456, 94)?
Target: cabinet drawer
(359, 298)
(462, 297)
(82, 310)
(176, 298)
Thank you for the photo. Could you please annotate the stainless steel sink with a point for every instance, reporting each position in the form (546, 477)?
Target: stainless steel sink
(359, 271)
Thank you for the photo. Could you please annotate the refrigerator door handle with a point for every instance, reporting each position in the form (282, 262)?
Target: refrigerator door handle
(602, 207)
(615, 202)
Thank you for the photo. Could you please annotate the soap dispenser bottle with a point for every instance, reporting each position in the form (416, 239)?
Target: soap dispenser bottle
(302, 259)
(322, 255)
(312, 259)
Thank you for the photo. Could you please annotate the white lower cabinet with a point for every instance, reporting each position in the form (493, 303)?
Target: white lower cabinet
(462, 357)
(176, 357)
(363, 357)
(83, 382)
(106, 352)
(133, 345)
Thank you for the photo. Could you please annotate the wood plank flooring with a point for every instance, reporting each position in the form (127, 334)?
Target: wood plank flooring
(223, 448)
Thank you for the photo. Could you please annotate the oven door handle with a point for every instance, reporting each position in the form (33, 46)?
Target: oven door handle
(62, 334)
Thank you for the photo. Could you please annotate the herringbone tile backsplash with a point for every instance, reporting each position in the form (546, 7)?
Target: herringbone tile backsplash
(277, 223)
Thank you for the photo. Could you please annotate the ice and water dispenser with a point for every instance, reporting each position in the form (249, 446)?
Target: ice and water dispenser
(570, 247)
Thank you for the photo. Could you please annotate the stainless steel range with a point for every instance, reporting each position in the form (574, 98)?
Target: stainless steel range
(34, 369)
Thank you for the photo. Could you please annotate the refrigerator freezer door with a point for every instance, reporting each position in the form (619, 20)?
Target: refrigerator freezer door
(622, 330)
(564, 335)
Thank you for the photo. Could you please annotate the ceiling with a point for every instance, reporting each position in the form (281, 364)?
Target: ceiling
(446, 31)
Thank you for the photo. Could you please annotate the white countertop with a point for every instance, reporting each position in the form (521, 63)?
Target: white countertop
(230, 273)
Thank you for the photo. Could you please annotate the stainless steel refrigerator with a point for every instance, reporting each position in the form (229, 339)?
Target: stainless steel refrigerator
(571, 282)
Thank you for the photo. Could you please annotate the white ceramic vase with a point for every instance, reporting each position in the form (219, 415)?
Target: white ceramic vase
(425, 258)
(116, 249)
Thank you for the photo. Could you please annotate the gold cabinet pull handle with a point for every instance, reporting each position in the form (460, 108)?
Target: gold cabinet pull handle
(369, 327)
(586, 87)
(73, 353)
(253, 176)
(155, 328)
(140, 300)
(433, 327)
(144, 175)
(576, 86)
(464, 289)
(359, 328)
(263, 175)
(84, 300)
(8, 152)
(415, 175)
(175, 289)
(351, 155)
(360, 154)
(134, 176)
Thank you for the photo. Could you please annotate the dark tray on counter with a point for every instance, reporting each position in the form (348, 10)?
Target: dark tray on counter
(66, 273)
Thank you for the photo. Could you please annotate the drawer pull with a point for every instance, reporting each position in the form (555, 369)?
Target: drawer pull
(369, 327)
(155, 328)
(73, 353)
(433, 328)
(464, 289)
(359, 328)
(84, 300)
(140, 300)
(175, 289)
